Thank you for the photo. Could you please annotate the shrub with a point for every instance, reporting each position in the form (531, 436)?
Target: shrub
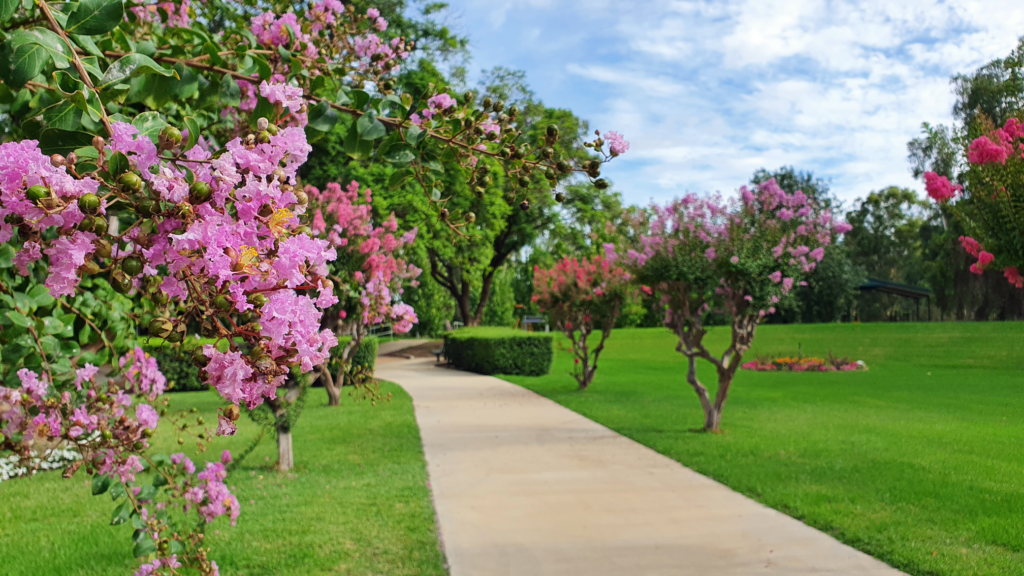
(363, 360)
(176, 365)
(499, 351)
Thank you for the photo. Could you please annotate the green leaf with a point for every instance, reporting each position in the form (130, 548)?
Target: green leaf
(117, 164)
(159, 480)
(6, 257)
(407, 100)
(359, 99)
(7, 9)
(193, 132)
(63, 142)
(94, 17)
(116, 491)
(19, 319)
(144, 547)
(131, 66)
(356, 147)
(322, 117)
(370, 128)
(400, 154)
(435, 195)
(100, 484)
(414, 135)
(149, 124)
(21, 63)
(286, 56)
(40, 295)
(230, 93)
(52, 325)
(50, 345)
(49, 40)
(147, 493)
(121, 513)
(400, 177)
(63, 115)
(87, 44)
(13, 353)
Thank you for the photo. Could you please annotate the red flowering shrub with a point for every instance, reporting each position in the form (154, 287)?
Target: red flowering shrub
(991, 204)
(582, 297)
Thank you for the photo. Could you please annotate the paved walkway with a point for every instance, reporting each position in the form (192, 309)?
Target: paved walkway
(523, 486)
(385, 347)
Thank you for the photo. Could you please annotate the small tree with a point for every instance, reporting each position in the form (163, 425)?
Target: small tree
(991, 207)
(580, 297)
(368, 273)
(741, 258)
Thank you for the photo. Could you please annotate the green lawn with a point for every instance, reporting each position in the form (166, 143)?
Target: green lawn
(918, 462)
(357, 503)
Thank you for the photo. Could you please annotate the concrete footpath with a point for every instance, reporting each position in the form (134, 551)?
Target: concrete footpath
(523, 486)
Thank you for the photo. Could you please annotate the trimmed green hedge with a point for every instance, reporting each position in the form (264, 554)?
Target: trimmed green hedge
(176, 365)
(365, 357)
(499, 351)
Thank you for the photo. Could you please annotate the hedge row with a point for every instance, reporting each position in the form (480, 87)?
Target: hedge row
(365, 357)
(499, 351)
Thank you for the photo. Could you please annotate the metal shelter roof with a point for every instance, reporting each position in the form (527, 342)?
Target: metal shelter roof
(887, 287)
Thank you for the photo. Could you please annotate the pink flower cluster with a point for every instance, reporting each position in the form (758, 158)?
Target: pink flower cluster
(369, 262)
(616, 143)
(998, 145)
(579, 293)
(715, 237)
(435, 104)
(974, 249)
(939, 188)
(178, 15)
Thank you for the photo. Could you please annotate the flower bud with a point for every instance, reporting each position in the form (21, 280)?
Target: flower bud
(222, 303)
(546, 152)
(99, 143)
(199, 192)
(120, 283)
(552, 131)
(524, 182)
(57, 160)
(564, 167)
(525, 205)
(198, 358)
(89, 203)
(301, 198)
(89, 268)
(257, 299)
(255, 327)
(469, 96)
(232, 412)
(487, 102)
(560, 198)
(146, 207)
(444, 214)
(175, 337)
(470, 217)
(499, 105)
(169, 137)
(132, 265)
(264, 137)
(37, 193)
(160, 298)
(87, 224)
(103, 249)
(601, 184)
(262, 124)
(130, 181)
(72, 159)
(138, 446)
(273, 129)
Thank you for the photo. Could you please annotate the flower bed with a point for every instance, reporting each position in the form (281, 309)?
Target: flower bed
(805, 364)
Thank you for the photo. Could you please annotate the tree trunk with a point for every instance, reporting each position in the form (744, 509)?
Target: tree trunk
(285, 456)
(713, 420)
(333, 388)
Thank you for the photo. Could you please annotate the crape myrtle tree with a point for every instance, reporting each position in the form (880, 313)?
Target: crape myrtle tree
(582, 297)
(991, 203)
(152, 150)
(740, 258)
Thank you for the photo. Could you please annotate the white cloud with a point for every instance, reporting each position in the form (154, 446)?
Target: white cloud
(707, 91)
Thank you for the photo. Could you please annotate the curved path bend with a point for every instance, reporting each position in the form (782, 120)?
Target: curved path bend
(523, 486)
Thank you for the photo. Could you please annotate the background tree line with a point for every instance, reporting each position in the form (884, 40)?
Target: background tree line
(485, 276)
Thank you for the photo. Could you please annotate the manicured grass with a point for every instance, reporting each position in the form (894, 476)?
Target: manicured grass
(357, 503)
(918, 462)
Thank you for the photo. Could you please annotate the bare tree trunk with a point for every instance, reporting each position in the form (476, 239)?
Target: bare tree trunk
(333, 389)
(285, 456)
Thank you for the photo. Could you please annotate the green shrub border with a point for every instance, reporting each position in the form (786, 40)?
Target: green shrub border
(499, 351)
(365, 357)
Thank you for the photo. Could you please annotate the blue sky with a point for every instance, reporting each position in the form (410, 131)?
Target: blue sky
(709, 91)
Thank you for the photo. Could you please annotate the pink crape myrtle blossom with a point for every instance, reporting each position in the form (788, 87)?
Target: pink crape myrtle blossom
(616, 143)
(740, 258)
(939, 188)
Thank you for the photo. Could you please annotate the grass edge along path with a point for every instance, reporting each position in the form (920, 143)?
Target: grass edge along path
(916, 461)
(358, 502)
